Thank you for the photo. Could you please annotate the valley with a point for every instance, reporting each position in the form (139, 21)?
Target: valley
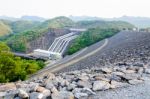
(102, 56)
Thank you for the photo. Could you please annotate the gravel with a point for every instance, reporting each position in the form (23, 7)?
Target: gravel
(124, 46)
(140, 91)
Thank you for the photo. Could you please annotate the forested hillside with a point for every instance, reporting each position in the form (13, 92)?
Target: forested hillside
(25, 32)
(104, 24)
(58, 22)
(22, 25)
(90, 37)
(11, 65)
(4, 29)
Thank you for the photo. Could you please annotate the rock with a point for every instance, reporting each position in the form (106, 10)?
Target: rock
(138, 64)
(145, 78)
(2, 94)
(23, 94)
(88, 91)
(83, 78)
(101, 78)
(106, 70)
(69, 77)
(140, 70)
(49, 85)
(16, 98)
(63, 88)
(64, 82)
(100, 85)
(21, 85)
(10, 94)
(54, 90)
(40, 89)
(115, 84)
(28, 87)
(36, 95)
(114, 77)
(62, 95)
(46, 93)
(147, 71)
(8, 97)
(76, 90)
(129, 71)
(7, 86)
(49, 77)
(122, 63)
(80, 95)
(122, 69)
(84, 84)
(71, 86)
(118, 73)
(135, 81)
(131, 76)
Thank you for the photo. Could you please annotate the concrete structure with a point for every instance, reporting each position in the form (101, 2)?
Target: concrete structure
(58, 47)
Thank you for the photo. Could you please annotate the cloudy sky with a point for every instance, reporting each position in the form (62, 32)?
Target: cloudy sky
(52, 8)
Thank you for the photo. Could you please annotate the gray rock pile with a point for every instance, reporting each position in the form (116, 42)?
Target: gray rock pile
(123, 47)
(76, 84)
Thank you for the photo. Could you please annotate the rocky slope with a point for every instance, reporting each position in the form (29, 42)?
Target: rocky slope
(127, 63)
(77, 84)
(126, 46)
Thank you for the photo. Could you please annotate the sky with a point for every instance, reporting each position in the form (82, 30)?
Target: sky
(53, 8)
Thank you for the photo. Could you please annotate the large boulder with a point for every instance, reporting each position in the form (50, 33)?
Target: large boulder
(36, 95)
(100, 85)
(84, 84)
(44, 91)
(62, 95)
(23, 94)
(7, 86)
(135, 81)
(115, 84)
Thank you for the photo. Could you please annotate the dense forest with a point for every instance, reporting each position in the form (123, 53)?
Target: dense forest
(90, 37)
(14, 68)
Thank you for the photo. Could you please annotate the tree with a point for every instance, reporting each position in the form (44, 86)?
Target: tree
(14, 68)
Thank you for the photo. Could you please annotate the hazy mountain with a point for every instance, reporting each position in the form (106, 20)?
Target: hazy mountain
(28, 18)
(9, 18)
(84, 18)
(32, 18)
(104, 24)
(141, 22)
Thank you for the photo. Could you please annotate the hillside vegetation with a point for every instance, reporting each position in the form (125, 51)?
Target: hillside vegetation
(4, 29)
(90, 37)
(104, 24)
(58, 22)
(26, 31)
(14, 68)
(19, 42)
(22, 25)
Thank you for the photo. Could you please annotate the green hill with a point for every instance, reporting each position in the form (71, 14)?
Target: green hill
(104, 24)
(58, 22)
(4, 29)
(19, 42)
(22, 25)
